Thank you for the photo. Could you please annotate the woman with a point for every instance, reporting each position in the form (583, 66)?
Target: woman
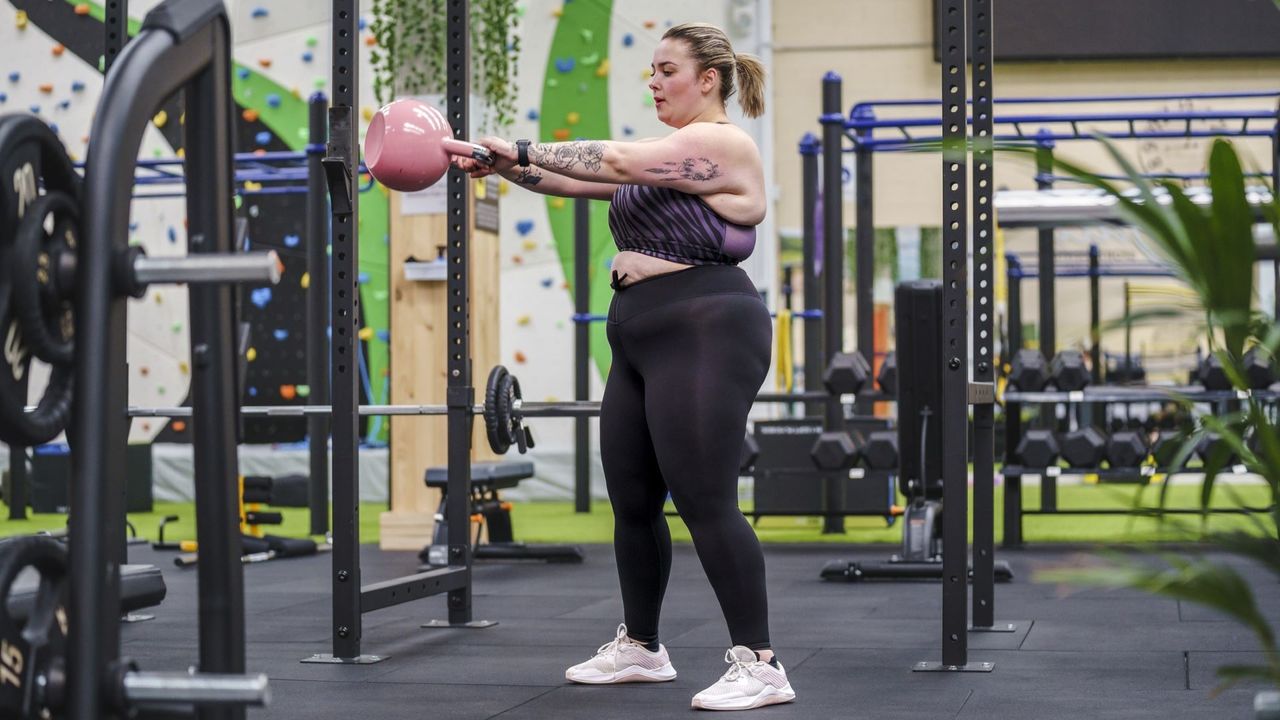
(690, 338)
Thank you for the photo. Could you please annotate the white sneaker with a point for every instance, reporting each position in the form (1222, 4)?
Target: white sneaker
(623, 660)
(749, 683)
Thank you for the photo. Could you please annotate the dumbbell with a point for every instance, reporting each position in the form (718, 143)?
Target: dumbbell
(1165, 449)
(837, 450)
(1213, 443)
(1028, 372)
(1126, 448)
(1259, 371)
(750, 453)
(1125, 370)
(846, 373)
(887, 378)
(1038, 449)
(1068, 371)
(881, 450)
(1084, 448)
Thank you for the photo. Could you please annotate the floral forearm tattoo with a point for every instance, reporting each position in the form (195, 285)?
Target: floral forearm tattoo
(567, 156)
(698, 169)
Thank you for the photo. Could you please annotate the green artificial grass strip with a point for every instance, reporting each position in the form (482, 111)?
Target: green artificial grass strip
(556, 522)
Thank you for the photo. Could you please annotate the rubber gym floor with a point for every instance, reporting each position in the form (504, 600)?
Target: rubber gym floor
(848, 648)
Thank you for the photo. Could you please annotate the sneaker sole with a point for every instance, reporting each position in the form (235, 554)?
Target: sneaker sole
(666, 673)
(768, 696)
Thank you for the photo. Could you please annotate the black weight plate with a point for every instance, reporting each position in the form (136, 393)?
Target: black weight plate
(29, 651)
(44, 316)
(492, 420)
(31, 159)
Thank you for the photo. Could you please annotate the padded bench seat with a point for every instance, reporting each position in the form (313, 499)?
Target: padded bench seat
(485, 476)
(141, 586)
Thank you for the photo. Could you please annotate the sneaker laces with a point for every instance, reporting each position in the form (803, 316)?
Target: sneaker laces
(737, 666)
(612, 647)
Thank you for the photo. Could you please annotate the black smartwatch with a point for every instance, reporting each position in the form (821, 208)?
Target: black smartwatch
(522, 153)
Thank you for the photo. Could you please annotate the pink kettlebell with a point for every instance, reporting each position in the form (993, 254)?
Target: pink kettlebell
(409, 145)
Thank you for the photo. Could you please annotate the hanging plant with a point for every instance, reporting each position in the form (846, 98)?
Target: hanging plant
(409, 56)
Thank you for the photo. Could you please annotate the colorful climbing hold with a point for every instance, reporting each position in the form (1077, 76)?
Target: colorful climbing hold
(560, 134)
(371, 40)
(552, 82)
(362, 278)
(564, 65)
(366, 112)
(263, 137)
(648, 24)
(523, 320)
(58, 49)
(384, 336)
(648, 100)
(288, 392)
(64, 104)
(46, 88)
(516, 259)
(291, 240)
(587, 36)
(280, 334)
(158, 297)
(242, 73)
(311, 41)
(176, 328)
(77, 86)
(628, 130)
(82, 9)
(4, 98)
(253, 391)
(532, 114)
(15, 76)
(628, 40)
(591, 59)
(20, 19)
(572, 117)
(307, 57)
(273, 100)
(521, 358)
(264, 62)
(304, 390)
(173, 234)
(366, 334)
(260, 12)
(556, 203)
(179, 426)
(251, 354)
(249, 115)
(305, 282)
(184, 368)
(603, 70)
(524, 227)
(144, 371)
(260, 297)
(160, 119)
(251, 186)
(530, 245)
(547, 282)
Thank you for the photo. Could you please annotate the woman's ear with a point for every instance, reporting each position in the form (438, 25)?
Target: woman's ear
(710, 80)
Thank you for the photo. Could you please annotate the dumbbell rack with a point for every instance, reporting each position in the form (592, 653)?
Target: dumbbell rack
(1014, 471)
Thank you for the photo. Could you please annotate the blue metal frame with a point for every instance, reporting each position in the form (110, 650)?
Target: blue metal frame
(861, 123)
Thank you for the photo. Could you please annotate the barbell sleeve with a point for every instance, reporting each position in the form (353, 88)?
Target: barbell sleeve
(254, 267)
(191, 688)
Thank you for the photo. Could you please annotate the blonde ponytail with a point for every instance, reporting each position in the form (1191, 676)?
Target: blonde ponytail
(710, 47)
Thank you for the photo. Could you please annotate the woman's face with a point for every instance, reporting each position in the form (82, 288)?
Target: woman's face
(679, 90)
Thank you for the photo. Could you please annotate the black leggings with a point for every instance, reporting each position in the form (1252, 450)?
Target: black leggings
(690, 351)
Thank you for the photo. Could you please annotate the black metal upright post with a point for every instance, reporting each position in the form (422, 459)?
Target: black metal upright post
(1095, 314)
(1012, 536)
(833, 275)
(582, 352)
(115, 26)
(955, 342)
(1045, 278)
(344, 321)
(983, 396)
(460, 394)
(865, 254)
(318, 313)
(809, 149)
(215, 396)
(1275, 188)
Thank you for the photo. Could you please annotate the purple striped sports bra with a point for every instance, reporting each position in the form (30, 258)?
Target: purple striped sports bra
(676, 226)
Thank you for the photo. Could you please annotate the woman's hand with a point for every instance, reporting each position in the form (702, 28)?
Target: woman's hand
(504, 156)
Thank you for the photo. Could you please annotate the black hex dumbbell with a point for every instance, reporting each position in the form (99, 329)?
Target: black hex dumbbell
(881, 450)
(837, 450)
(1084, 448)
(750, 453)
(887, 378)
(1213, 443)
(1212, 375)
(1029, 372)
(846, 373)
(1258, 368)
(1068, 372)
(1038, 449)
(1126, 448)
(1165, 449)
